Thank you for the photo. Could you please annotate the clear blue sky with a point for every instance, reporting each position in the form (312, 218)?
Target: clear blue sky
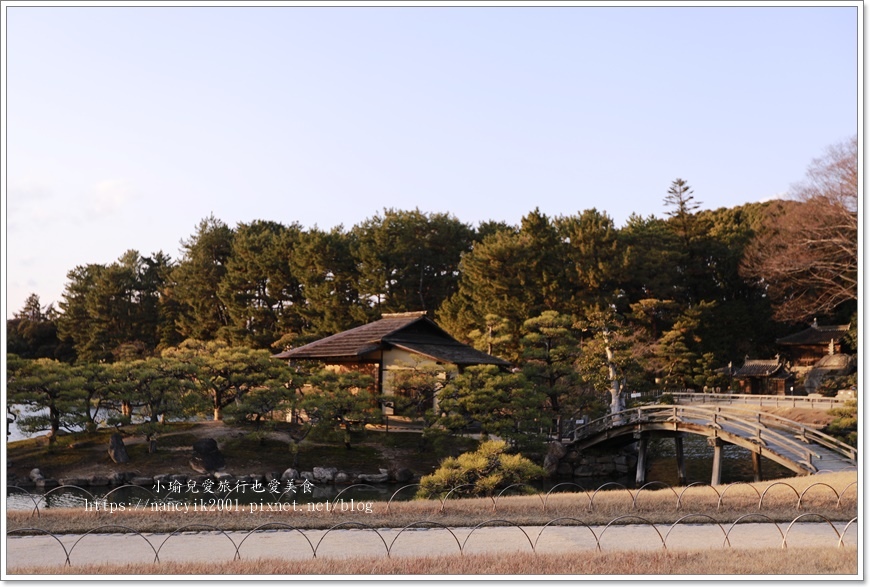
(127, 126)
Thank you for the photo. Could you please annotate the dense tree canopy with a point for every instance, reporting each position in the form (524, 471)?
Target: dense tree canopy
(584, 310)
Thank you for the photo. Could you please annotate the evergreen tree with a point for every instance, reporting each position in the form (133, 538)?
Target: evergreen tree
(50, 394)
(223, 374)
(157, 386)
(596, 260)
(32, 332)
(196, 279)
(408, 260)
(113, 311)
(259, 288)
(344, 401)
(329, 279)
(503, 404)
(550, 350)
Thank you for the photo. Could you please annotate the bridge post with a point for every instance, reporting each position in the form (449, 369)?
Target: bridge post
(681, 461)
(640, 474)
(716, 443)
(756, 466)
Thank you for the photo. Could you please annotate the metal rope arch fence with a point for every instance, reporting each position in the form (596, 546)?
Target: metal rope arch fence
(462, 546)
(850, 491)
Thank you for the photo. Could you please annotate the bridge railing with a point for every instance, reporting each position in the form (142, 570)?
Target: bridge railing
(724, 419)
(785, 401)
(802, 432)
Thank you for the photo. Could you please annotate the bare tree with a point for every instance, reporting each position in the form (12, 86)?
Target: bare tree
(807, 255)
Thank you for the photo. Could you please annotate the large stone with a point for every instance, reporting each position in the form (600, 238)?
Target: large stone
(99, 481)
(36, 475)
(207, 457)
(290, 475)
(307, 475)
(324, 474)
(342, 477)
(379, 478)
(117, 450)
(555, 452)
(565, 470)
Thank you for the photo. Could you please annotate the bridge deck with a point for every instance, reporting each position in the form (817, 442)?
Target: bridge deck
(795, 446)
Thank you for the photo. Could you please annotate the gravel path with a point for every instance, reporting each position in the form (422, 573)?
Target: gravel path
(342, 543)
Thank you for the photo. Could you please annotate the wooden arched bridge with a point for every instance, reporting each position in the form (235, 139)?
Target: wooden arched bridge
(793, 445)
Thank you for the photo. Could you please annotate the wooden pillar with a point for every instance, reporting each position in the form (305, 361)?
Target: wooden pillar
(681, 461)
(716, 478)
(756, 466)
(640, 475)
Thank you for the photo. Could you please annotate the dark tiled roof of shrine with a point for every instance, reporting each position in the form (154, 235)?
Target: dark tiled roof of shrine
(411, 331)
(815, 335)
(759, 368)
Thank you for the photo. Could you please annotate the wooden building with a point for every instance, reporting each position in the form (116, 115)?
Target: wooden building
(807, 347)
(764, 377)
(395, 342)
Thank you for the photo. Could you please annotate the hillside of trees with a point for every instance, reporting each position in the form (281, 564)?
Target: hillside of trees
(583, 308)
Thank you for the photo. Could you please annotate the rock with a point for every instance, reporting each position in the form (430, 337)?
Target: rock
(272, 475)
(256, 478)
(555, 452)
(43, 483)
(324, 474)
(342, 477)
(404, 476)
(142, 481)
(99, 481)
(564, 470)
(180, 478)
(77, 481)
(307, 475)
(379, 478)
(207, 457)
(223, 476)
(117, 450)
(117, 478)
(36, 475)
(290, 475)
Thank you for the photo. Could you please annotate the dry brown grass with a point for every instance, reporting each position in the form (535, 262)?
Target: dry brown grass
(772, 561)
(780, 500)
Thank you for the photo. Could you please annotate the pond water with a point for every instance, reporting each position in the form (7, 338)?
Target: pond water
(736, 462)
(736, 467)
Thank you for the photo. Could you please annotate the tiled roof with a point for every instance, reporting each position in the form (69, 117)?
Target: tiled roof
(816, 335)
(759, 368)
(351, 343)
(412, 331)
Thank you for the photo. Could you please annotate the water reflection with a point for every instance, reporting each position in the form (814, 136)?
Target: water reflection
(736, 462)
(736, 467)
